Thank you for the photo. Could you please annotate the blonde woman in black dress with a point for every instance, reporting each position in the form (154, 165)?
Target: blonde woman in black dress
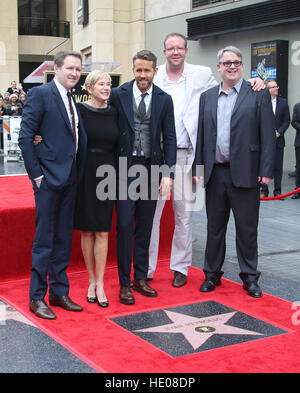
(93, 216)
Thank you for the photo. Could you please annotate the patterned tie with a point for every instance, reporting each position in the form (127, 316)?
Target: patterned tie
(73, 122)
(142, 106)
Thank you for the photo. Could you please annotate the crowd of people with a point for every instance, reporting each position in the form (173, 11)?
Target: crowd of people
(12, 101)
(154, 120)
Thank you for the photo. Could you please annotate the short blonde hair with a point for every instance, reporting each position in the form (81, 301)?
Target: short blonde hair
(94, 76)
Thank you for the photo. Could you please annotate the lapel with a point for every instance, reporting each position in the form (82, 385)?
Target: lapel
(277, 108)
(214, 105)
(60, 105)
(156, 108)
(241, 96)
(126, 99)
(189, 84)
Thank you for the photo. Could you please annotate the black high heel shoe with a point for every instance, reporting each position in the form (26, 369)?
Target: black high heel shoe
(91, 299)
(104, 303)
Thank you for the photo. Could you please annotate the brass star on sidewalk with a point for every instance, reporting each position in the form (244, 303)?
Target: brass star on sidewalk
(198, 330)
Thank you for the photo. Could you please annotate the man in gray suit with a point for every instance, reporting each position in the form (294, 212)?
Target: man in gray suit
(185, 83)
(236, 144)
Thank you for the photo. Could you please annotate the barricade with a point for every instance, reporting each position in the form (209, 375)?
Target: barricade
(280, 196)
(11, 130)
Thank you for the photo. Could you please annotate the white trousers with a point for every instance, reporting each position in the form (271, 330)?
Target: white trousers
(183, 203)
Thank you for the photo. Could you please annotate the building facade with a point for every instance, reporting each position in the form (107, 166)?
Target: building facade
(104, 31)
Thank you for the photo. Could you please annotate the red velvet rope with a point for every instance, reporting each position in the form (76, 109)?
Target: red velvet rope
(280, 196)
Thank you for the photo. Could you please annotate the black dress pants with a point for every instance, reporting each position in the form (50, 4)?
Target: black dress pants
(221, 198)
(134, 227)
(277, 173)
(53, 238)
(297, 179)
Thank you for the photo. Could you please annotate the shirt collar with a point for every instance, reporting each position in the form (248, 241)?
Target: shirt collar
(137, 92)
(236, 87)
(165, 75)
(63, 91)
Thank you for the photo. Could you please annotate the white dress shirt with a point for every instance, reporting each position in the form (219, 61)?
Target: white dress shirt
(137, 94)
(274, 105)
(177, 91)
(63, 93)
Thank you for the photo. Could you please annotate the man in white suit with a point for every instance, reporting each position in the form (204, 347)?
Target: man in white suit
(185, 83)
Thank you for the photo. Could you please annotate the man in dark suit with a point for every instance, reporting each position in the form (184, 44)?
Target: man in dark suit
(147, 141)
(296, 124)
(236, 145)
(282, 122)
(55, 165)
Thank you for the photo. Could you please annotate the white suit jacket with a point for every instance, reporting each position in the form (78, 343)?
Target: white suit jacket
(198, 80)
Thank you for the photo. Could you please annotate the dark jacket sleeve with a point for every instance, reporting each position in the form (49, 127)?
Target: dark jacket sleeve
(31, 120)
(169, 136)
(285, 119)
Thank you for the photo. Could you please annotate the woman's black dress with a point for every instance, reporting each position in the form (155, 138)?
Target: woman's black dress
(92, 214)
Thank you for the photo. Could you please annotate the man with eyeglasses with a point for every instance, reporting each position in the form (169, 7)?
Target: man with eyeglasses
(282, 122)
(236, 144)
(185, 83)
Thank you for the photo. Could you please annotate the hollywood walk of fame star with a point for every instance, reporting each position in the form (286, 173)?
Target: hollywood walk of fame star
(198, 330)
(8, 313)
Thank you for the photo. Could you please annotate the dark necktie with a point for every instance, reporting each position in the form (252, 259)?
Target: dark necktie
(73, 122)
(142, 112)
(142, 106)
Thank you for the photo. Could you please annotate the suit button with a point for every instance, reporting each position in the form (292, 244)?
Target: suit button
(154, 153)
(121, 149)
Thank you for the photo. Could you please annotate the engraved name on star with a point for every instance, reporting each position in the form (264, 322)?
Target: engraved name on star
(198, 330)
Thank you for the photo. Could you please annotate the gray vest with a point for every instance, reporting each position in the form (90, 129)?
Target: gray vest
(142, 132)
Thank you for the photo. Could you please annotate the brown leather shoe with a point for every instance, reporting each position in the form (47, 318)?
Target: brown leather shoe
(126, 296)
(41, 309)
(144, 288)
(179, 280)
(64, 302)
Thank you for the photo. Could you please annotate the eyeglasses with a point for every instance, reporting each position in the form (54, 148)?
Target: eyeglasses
(228, 64)
(273, 87)
(171, 50)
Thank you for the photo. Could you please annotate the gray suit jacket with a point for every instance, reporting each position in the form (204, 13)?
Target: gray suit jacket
(252, 138)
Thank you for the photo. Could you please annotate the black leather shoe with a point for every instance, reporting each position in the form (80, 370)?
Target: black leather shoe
(144, 288)
(64, 302)
(126, 296)
(277, 195)
(210, 284)
(179, 280)
(263, 195)
(41, 309)
(253, 289)
(296, 196)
